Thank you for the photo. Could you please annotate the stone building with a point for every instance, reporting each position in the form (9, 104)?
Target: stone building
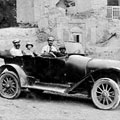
(71, 21)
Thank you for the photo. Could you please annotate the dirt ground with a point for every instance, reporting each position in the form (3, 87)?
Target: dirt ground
(53, 107)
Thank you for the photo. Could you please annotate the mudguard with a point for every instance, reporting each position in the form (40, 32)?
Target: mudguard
(96, 73)
(18, 70)
(108, 71)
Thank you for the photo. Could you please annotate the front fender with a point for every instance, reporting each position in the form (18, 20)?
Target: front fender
(109, 72)
(91, 77)
(18, 70)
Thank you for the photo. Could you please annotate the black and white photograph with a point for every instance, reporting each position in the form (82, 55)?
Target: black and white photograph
(59, 59)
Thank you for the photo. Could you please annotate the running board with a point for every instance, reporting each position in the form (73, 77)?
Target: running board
(76, 95)
(47, 88)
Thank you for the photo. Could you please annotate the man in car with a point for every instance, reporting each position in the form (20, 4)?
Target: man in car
(16, 51)
(49, 47)
(62, 50)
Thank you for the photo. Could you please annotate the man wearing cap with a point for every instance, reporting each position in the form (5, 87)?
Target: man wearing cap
(49, 48)
(29, 50)
(16, 51)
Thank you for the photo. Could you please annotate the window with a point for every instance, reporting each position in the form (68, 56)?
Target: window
(113, 12)
(113, 9)
(116, 13)
(69, 3)
(77, 38)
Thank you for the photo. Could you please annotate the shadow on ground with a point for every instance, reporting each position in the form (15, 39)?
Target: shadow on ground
(49, 97)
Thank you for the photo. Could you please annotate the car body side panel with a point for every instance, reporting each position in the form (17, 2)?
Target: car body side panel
(76, 67)
(50, 69)
(95, 68)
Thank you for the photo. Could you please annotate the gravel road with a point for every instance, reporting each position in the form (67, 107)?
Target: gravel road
(53, 107)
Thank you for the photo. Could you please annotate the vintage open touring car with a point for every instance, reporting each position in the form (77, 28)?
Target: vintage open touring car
(68, 75)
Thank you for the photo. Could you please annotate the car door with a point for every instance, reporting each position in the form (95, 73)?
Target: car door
(50, 70)
(57, 70)
(42, 69)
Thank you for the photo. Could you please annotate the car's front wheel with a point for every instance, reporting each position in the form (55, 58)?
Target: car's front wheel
(9, 85)
(105, 93)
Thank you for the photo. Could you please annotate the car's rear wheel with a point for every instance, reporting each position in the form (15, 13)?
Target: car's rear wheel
(105, 93)
(9, 85)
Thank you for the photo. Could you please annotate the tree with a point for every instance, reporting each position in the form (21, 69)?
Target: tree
(7, 13)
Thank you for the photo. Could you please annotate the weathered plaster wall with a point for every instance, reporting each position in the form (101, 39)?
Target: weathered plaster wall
(86, 19)
(83, 5)
(96, 4)
(25, 11)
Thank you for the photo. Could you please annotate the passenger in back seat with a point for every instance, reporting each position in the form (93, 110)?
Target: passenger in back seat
(16, 51)
(29, 50)
(62, 50)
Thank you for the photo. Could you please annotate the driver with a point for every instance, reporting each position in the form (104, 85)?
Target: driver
(49, 47)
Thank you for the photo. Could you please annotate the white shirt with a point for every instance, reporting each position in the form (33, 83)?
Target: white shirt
(47, 49)
(29, 52)
(16, 52)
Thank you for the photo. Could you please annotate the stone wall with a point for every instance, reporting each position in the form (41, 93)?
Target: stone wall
(87, 19)
(25, 11)
(96, 4)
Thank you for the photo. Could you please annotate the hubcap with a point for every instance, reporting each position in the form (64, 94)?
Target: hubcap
(105, 94)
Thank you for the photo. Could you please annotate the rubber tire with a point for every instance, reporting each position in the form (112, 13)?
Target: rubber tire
(17, 82)
(115, 87)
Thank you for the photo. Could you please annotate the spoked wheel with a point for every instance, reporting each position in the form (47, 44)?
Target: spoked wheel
(9, 85)
(106, 94)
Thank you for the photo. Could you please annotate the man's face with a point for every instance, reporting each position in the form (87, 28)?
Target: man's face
(17, 45)
(50, 42)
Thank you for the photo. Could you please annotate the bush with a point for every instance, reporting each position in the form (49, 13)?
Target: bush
(7, 13)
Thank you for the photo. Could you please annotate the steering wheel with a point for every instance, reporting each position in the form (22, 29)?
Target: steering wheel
(53, 54)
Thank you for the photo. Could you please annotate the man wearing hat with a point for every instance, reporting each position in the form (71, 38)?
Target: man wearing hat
(16, 51)
(49, 47)
(29, 49)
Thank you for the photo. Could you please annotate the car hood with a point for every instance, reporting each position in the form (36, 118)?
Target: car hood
(102, 64)
(87, 63)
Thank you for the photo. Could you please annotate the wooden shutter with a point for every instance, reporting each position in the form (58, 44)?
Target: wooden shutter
(109, 12)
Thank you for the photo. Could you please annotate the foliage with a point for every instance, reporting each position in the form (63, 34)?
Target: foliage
(7, 13)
